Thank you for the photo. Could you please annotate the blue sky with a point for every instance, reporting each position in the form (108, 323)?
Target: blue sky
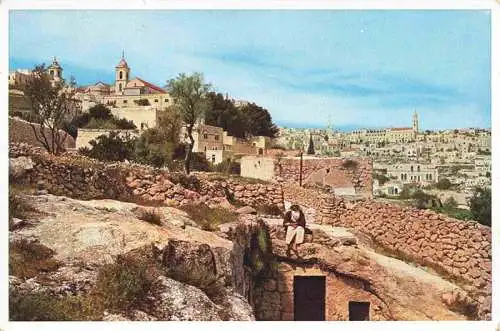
(360, 68)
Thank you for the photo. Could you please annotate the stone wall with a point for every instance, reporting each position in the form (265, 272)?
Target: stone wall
(20, 131)
(458, 250)
(80, 177)
(306, 197)
(275, 297)
(337, 173)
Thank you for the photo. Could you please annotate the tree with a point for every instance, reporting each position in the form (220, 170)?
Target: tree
(112, 147)
(156, 146)
(310, 148)
(189, 93)
(53, 104)
(443, 184)
(258, 121)
(242, 122)
(480, 205)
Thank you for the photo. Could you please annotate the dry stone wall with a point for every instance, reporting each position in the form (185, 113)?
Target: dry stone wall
(358, 172)
(20, 131)
(457, 249)
(80, 177)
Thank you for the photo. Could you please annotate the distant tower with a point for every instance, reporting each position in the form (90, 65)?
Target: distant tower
(55, 71)
(415, 121)
(121, 75)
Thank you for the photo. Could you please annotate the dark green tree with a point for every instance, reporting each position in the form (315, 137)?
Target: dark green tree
(480, 205)
(259, 121)
(112, 147)
(310, 148)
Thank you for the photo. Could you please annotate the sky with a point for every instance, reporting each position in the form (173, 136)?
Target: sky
(358, 68)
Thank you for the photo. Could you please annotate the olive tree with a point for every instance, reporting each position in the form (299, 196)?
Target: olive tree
(189, 93)
(53, 104)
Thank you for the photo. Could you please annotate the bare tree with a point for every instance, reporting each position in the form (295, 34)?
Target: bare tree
(53, 104)
(189, 93)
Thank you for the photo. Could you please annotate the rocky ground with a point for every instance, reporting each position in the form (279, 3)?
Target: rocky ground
(87, 235)
(196, 274)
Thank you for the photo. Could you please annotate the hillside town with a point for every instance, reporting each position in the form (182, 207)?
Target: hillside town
(189, 193)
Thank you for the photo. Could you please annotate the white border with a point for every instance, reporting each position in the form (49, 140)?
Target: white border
(7, 5)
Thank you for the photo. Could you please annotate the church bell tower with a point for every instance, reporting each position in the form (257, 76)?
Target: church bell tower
(122, 71)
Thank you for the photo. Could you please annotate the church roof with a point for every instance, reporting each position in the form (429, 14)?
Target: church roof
(151, 86)
(122, 64)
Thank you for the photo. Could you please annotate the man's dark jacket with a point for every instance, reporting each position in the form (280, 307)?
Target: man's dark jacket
(287, 220)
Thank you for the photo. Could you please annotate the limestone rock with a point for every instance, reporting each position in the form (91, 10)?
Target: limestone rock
(246, 210)
(19, 166)
(176, 301)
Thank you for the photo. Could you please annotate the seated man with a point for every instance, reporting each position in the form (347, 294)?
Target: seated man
(295, 223)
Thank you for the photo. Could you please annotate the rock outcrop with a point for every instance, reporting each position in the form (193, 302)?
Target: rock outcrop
(85, 235)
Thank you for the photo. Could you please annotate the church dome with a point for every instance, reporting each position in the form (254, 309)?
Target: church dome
(122, 63)
(55, 64)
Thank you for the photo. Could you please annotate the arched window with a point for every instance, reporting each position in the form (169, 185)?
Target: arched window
(121, 74)
(120, 87)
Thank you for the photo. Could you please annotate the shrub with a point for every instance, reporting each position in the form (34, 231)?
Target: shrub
(443, 184)
(47, 307)
(120, 286)
(349, 164)
(189, 182)
(29, 258)
(200, 163)
(228, 166)
(112, 147)
(209, 218)
(150, 216)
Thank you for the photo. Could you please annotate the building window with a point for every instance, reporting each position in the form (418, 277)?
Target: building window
(205, 136)
(121, 74)
(430, 176)
(213, 158)
(166, 100)
(402, 177)
(52, 74)
(411, 168)
(205, 148)
(418, 168)
(156, 100)
(216, 137)
(124, 101)
(120, 87)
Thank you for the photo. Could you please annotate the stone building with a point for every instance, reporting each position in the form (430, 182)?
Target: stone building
(413, 173)
(132, 98)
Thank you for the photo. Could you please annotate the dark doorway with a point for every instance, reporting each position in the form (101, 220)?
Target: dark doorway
(309, 298)
(359, 311)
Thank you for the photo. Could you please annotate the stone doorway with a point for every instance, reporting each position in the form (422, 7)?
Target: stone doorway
(359, 311)
(309, 298)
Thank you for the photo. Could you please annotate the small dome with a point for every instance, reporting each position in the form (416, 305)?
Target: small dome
(55, 64)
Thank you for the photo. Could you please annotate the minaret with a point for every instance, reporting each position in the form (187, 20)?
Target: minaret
(55, 71)
(122, 71)
(415, 121)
